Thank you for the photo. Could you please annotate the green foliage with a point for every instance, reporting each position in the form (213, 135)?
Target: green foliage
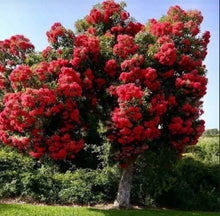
(21, 176)
(153, 175)
(106, 44)
(87, 186)
(195, 187)
(81, 26)
(12, 167)
(39, 185)
(95, 153)
(192, 183)
(70, 192)
(143, 40)
(207, 150)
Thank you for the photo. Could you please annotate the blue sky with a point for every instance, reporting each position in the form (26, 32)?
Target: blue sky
(34, 18)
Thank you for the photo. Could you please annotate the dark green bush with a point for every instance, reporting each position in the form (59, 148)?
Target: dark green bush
(39, 185)
(82, 186)
(152, 176)
(21, 176)
(196, 186)
(12, 167)
(190, 184)
(87, 186)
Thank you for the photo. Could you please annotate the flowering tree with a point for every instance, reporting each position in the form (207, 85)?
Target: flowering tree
(145, 83)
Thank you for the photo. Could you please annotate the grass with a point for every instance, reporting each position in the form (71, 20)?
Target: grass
(36, 210)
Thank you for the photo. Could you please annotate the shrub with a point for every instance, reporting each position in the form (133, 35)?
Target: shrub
(211, 132)
(196, 187)
(12, 166)
(207, 150)
(87, 186)
(153, 176)
(39, 185)
(191, 184)
(31, 180)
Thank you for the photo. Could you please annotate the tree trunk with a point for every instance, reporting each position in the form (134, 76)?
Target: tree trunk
(124, 189)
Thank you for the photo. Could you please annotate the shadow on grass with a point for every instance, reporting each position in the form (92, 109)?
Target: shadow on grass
(149, 212)
(131, 212)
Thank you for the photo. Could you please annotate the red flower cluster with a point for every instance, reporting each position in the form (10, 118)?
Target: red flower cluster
(84, 47)
(186, 63)
(128, 126)
(129, 133)
(184, 132)
(190, 19)
(54, 68)
(131, 29)
(94, 17)
(17, 45)
(188, 75)
(156, 80)
(20, 77)
(69, 83)
(27, 115)
(129, 92)
(109, 8)
(110, 67)
(107, 14)
(125, 46)
(166, 28)
(166, 54)
(56, 30)
(189, 110)
(168, 74)
(159, 29)
(134, 72)
(89, 77)
(192, 84)
(150, 80)
(63, 145)
(158, 105)
(46, 51)
(179, 126)
(2, 75)
(58, 33)
(124, 15)
(41, 71)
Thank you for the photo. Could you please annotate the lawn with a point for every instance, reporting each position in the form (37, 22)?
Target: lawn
(36, 210)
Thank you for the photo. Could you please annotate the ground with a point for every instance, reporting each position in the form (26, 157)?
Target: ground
(105, 206)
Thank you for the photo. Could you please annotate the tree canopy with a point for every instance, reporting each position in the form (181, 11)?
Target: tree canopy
(143, 82)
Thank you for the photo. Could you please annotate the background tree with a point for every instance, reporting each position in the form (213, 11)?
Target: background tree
(144, 83)
(211, 132)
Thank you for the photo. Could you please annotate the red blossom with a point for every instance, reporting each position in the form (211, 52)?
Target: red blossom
(22, 75)
(110, 67)
(167, 54)
(125, 46)
(100, 82)
(124, 15)
(107, 67)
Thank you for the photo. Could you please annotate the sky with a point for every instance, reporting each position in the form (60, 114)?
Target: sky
(33, 18)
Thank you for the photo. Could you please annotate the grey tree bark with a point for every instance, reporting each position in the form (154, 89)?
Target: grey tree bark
(123, 196)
